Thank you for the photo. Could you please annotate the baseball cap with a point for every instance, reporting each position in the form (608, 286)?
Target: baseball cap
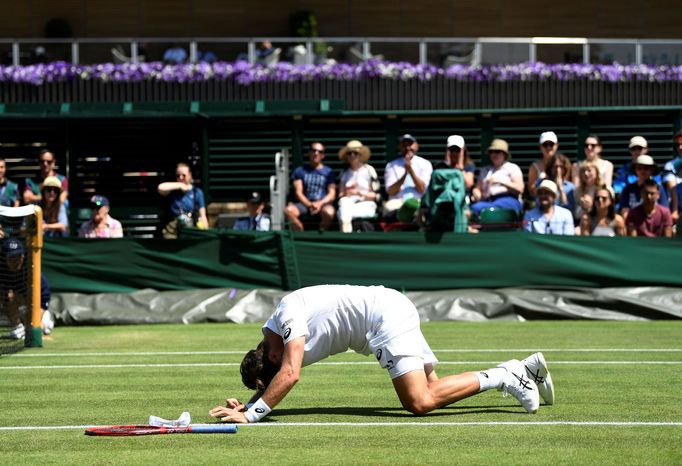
(548, 185)
(548, 136)
(12, 247)
(638, 141)
(255, 198)
(407, 137)
(455, 140)
(99, 201)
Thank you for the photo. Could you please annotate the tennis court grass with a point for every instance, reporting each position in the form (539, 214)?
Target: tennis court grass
(618, 399)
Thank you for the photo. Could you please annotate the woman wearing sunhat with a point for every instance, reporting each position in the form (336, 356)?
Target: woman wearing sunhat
(500, 184)
(358, 187)
(55, 221)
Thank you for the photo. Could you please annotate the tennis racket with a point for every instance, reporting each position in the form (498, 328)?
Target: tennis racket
(127, 430)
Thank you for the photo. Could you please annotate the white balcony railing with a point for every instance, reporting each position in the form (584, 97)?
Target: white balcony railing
(441, 51)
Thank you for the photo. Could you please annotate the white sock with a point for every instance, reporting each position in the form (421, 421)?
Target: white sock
(491, 378)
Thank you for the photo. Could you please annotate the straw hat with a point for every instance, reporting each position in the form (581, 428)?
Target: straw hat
(501, 145)
(355, 146)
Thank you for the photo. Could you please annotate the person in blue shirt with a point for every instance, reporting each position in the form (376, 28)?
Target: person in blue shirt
(187, 206)
(547, 218)
(257, 220)
(631, 197)
(314, 191)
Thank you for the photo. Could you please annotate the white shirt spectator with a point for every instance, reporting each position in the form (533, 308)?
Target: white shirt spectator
(396, 169)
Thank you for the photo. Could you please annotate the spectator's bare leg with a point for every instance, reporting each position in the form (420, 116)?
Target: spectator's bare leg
(327, 215)
(292, 214)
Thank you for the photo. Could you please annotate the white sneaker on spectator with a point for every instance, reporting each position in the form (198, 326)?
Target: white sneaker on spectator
(520, 386)
(18, 332)
(536, 368)
(47, 322)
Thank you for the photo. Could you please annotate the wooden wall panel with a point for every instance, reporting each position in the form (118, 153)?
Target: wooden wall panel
(96, 18)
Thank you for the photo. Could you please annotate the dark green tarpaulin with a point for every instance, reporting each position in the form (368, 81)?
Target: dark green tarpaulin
(405, 261)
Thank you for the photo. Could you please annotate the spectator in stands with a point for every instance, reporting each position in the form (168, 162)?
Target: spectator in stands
(592, 150)
(257, 220)
(547, 218)
(549, 143)
(558, 169)
(650, 218)
(101, 224)
(175, 55)
(358, 186)
(48, 165)
(9, 191)
(406, 177)
(584, 193)
(602, 220)
(443, 193)
(457, 156)
(626, 174)
(315, 191)
(500, 184)
(55, 220)
(671, 179)
(646, 168)
(15, 292)
(187, 206)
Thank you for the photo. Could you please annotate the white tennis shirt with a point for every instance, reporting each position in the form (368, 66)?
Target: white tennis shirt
(335, 318)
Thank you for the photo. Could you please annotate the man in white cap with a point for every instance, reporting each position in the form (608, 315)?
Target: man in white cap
(626, 174)
(549, 143)
(630, 197)
(547, 218)
(407, 176)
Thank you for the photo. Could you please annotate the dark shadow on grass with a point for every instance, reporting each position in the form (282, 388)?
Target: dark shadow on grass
(394, 412)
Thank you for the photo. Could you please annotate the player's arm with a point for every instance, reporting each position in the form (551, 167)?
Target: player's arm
(288, 374)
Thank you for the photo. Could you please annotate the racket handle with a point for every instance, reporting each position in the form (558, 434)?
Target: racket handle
(213, 428)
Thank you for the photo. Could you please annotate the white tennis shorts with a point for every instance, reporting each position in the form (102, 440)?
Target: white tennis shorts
(398, 343)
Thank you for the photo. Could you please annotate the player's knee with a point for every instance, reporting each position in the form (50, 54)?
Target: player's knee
(418, 407)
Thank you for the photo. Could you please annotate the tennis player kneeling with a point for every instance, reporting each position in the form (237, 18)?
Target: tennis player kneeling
(313, 323)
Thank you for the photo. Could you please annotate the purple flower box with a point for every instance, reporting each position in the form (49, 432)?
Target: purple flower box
(245, 74)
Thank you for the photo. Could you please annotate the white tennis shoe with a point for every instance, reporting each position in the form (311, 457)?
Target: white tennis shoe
(18, 332)
(520, 386)
(536, 368)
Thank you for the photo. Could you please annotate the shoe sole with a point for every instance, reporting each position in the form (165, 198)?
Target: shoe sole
(546, 388)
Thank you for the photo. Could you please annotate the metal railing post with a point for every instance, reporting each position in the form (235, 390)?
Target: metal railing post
(422, 53)
(586, 54)
(15, 54)
(638, 53)
(251, 50)
(309, 52)
(532, 52)
(134, 50)
(75, 56)
(193, 51)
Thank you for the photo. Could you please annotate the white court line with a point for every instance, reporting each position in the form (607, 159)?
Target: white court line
(488, 350)
(340, 363)
(408, 424)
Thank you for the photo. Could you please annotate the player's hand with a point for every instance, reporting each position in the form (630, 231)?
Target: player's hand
(234, 403)
(228, 415)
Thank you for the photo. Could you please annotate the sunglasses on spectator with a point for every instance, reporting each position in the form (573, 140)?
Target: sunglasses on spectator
(602, 198)
(455, 149)
(492, 152)
(636, 148)
(51, 190)
(548, 144)
(46, 162)
(589, 144)
(317, 151)
(353, 154)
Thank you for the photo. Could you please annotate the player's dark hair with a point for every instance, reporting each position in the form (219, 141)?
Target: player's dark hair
(256, 369)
